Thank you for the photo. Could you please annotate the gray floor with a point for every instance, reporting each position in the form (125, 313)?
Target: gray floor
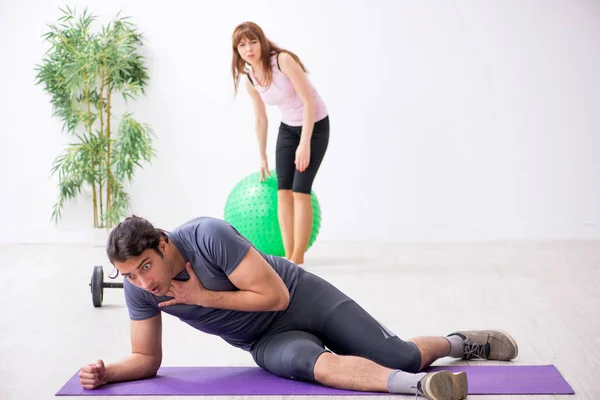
(545, 294)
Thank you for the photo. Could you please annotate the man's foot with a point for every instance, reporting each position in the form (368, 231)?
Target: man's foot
(444, 385)
(488, 345)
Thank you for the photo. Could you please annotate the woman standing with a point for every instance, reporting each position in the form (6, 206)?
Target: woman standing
(277, 77)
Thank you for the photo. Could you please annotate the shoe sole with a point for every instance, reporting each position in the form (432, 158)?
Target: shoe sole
(446, 385)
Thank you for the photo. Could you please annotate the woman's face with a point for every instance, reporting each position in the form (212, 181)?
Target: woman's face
(249, 50)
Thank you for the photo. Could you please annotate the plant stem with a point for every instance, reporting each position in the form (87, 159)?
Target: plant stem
(108, 169)
(100, 109)
(89, 126)
(95, 205)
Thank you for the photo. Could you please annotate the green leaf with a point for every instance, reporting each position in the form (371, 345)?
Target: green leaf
(77, 71)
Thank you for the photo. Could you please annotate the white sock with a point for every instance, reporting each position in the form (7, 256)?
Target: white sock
(457, 346)
(403, 382)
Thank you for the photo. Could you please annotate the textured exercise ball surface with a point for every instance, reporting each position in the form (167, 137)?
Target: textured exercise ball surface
(251, 208)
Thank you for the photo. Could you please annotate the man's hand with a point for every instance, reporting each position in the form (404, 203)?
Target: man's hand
(185, 292)
(92, 375)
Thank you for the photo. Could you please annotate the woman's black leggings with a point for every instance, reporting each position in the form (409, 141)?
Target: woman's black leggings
(288, 139)
(320, 316)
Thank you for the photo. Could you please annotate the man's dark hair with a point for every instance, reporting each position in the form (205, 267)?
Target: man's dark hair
(131, 237)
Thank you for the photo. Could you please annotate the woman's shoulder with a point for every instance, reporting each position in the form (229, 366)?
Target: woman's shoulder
(283, 58)
(282, 55)
(274, 59)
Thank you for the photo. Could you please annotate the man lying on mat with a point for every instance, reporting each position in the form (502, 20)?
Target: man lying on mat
(295, 324)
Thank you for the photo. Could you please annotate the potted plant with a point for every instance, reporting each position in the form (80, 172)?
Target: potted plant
(82, 72)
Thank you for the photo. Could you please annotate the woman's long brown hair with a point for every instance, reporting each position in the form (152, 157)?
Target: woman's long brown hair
(251, 31)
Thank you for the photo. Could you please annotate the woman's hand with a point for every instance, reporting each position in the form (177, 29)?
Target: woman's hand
(264, 169)
(302, 156)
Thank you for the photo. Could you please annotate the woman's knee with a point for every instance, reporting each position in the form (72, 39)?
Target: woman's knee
(301, 196)
(303, 184)
(285, 180)
(303, 181)
(285, 194)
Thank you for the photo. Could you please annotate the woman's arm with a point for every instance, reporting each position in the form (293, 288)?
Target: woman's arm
(260, 117)
(292, 69)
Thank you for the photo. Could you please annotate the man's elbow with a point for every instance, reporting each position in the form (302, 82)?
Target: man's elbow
(283, 301)
(153, 367)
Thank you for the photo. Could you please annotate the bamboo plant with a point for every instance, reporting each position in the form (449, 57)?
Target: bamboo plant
(83, 71)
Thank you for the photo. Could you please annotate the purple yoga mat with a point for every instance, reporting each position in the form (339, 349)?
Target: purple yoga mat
(205, 381)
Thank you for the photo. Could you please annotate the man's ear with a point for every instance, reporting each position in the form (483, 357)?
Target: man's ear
(163, 247)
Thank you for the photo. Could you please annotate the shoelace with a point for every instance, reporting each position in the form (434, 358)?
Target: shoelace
(418, 390)
(474, 350)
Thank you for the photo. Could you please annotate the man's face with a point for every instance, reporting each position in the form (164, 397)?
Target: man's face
(148, 271)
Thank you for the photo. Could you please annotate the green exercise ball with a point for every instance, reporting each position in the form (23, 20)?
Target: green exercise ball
(251, 208)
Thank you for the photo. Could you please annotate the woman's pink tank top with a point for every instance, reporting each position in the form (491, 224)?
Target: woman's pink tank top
(281, 93)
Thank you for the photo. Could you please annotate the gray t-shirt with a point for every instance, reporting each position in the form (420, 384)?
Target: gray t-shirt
(215, 248)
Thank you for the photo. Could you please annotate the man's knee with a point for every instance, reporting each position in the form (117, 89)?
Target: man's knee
(322, 368)
(413, 358)
(297, 361)
(292, 355)
(395, 353)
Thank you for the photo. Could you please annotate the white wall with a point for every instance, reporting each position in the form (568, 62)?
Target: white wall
(462, 120)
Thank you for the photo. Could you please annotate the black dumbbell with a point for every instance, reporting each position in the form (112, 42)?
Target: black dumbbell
(97, 286)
